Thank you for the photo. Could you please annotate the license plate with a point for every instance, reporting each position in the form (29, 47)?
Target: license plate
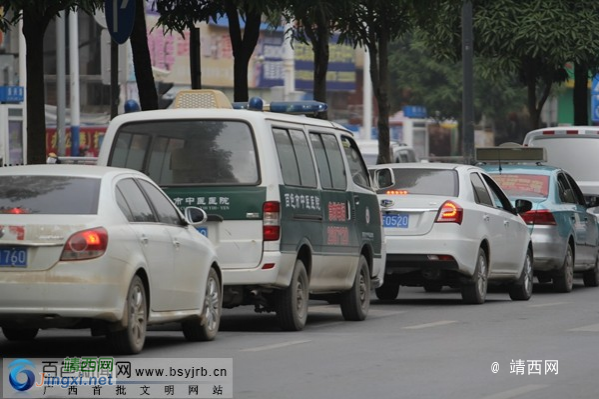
(203, 231)
(400, 221)
(13, 257)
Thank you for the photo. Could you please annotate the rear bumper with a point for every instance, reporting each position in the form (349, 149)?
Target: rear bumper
(549, 248)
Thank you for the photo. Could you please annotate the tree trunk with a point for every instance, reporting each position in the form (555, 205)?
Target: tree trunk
(34, 28)
(320, 47)
(382, 98)
(534, 113)
(581, 95)
(148, 97)
(195, 60)
(243, 46)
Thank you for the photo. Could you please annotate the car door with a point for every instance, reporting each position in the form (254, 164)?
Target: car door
(491, 223)
(155, 242)
(576, 216)
(515, 230)
(589, 220)
(189, 253)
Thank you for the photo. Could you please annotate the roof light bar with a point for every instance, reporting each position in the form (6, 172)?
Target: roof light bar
(286, 107)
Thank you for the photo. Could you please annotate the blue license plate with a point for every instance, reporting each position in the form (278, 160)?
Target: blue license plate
(13, 257)
(203, 231)
(400, 221)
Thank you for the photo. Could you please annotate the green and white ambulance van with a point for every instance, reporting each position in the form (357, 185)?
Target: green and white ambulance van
(290, 208)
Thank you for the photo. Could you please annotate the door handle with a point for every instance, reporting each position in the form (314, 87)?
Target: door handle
(144, 239)
(176, 243)
(486, 218)
(506, 223)
(357, 199)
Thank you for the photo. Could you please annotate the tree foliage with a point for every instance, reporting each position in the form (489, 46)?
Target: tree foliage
(36, 15)
(533, 39)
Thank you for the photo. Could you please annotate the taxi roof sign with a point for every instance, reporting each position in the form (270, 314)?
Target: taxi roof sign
(201, 98)
(511, 154)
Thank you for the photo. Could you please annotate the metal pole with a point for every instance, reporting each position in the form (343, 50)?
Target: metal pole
(74, 79)
(61, 94)
(288, 64)
(23, 82)
(468, 93)
(114, 79)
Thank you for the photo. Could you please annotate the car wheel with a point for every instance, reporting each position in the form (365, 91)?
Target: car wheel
(130, 340)
(19, 334)
(292, 302)
(356, 302)
(205, 329)
(564, 280)
(521, 290)
(475, 292)
(433, 287)
(389, 290)
(591, 277)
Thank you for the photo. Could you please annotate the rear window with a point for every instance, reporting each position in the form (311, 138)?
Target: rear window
(519, 185)
(188, 152)
(425, 182)
(49, 195)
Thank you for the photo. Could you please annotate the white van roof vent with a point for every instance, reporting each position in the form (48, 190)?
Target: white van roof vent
(202, 98)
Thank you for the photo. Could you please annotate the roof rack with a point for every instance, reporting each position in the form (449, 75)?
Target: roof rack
(511, 154)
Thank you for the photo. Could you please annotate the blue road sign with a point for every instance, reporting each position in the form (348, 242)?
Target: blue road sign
(595, 99)
(120, 16)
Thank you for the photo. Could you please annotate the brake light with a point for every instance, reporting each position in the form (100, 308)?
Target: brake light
(271, 223)
(450, 212)
(548, 132)
(542, 217)
(86, 244)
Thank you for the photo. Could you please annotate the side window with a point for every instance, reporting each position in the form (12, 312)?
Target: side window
(165, 210)
(566, 193)
(335, 159)
(578, 195)
(304, 158)
(130, 150)
(122, 203)
(287, 158)
(499, 198)
(358, 170)
(324, 172)
(480, 191)
(137, 202)
(159, 166)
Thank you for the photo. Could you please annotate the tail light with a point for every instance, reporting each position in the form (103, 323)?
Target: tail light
(271, 223)
(450, 212)
(542, 217)
(86, 244)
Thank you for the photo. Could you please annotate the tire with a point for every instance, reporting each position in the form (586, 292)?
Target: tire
(388, 291)
(205, 329)
(433, 287)
(131, 339)
(564, 280)
(356, 302)
(291, 303)
(475, 292)
(591, 277)
(19, 334)
(521, 290)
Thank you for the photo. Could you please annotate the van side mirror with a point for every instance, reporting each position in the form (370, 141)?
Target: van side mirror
(523, 206)
(195, 216)
(384, 178)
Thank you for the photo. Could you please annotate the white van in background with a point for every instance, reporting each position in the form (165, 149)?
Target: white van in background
(574, 149)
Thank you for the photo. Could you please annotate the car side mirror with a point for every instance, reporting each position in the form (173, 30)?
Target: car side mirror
(384, 178)
(195, 216)
(523, 206)
(591, 201)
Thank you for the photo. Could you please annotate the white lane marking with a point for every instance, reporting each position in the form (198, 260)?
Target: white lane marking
(275, 346)
(517, 392)
(542, 305)
(591, 328)
(435, 324)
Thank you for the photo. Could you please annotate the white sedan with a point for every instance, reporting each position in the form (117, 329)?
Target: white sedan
(451, 225)
(101, 248)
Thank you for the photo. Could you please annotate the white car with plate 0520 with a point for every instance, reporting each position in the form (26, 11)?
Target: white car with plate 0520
(103, 248)
(451, 225)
